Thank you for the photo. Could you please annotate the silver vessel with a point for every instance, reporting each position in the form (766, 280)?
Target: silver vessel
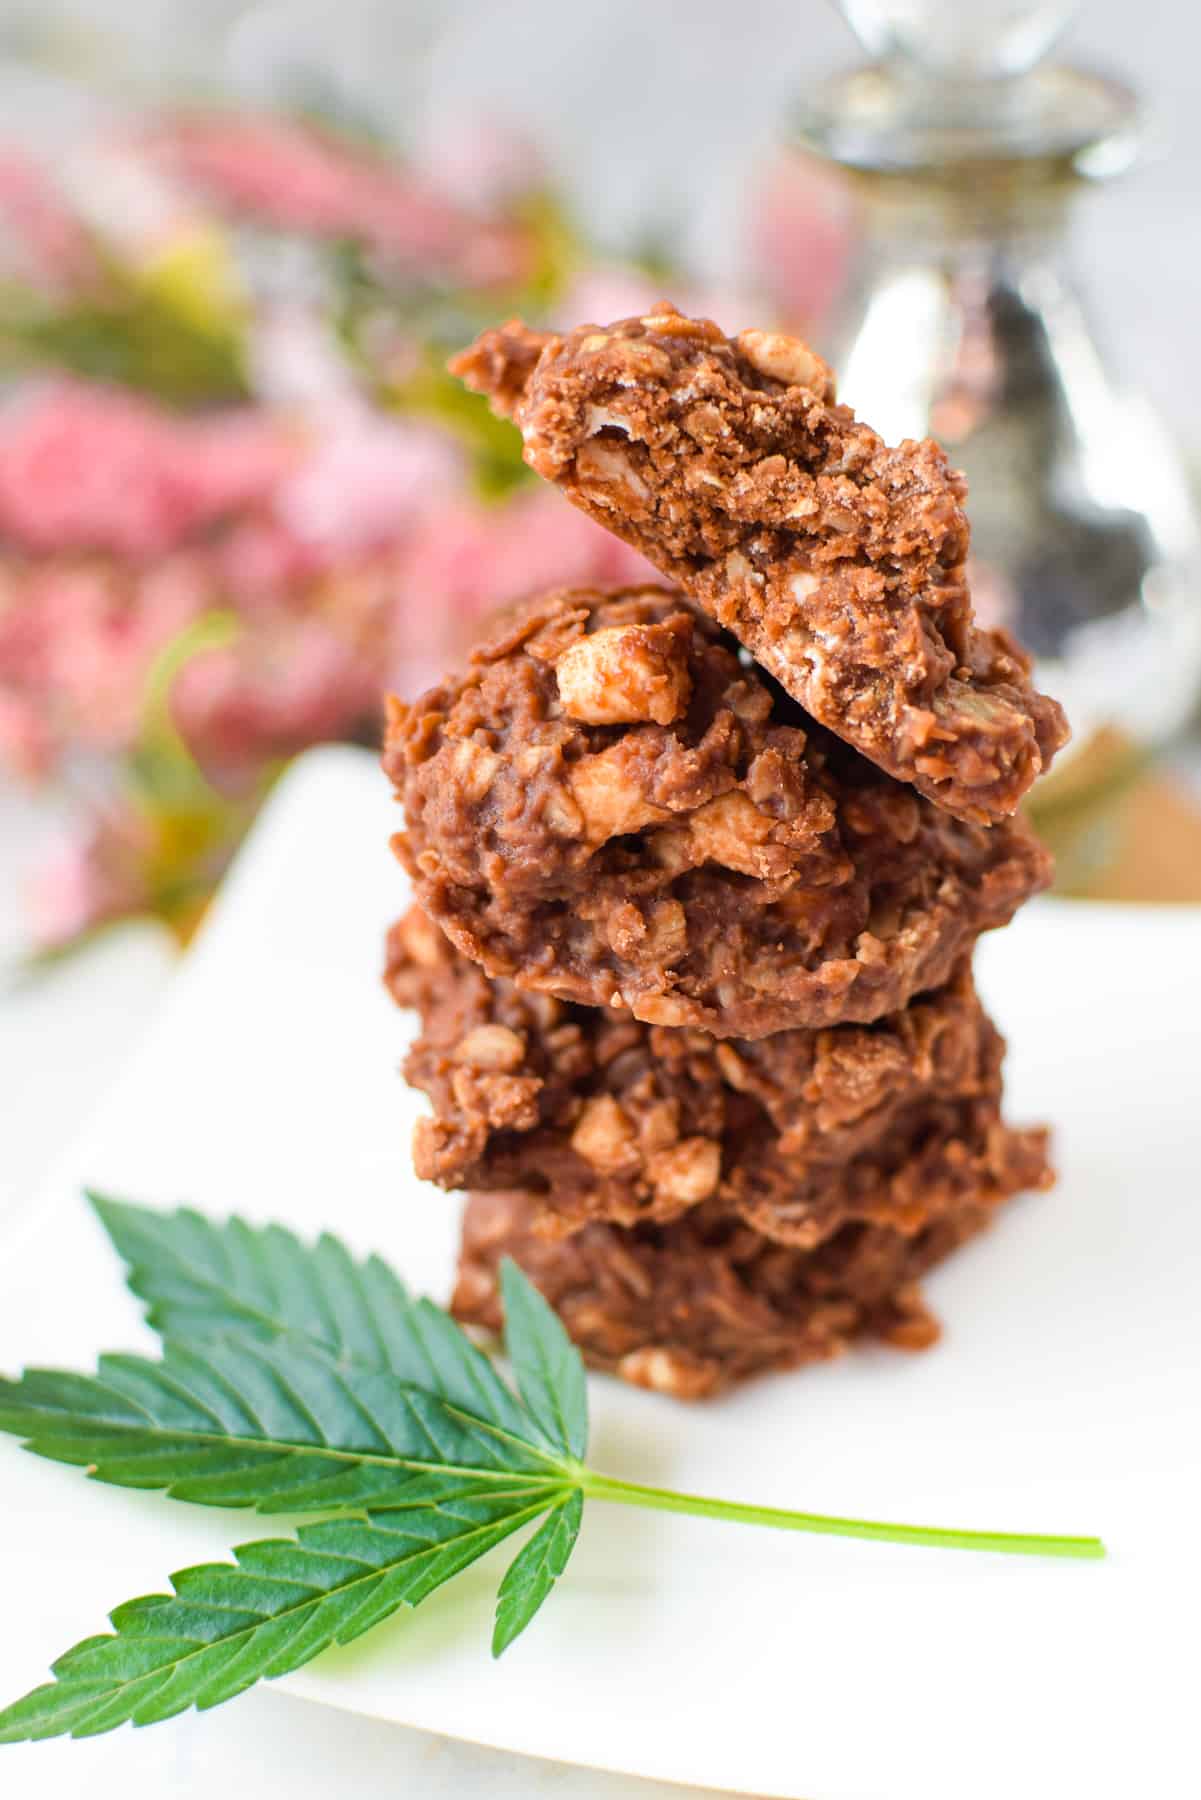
(962, 319)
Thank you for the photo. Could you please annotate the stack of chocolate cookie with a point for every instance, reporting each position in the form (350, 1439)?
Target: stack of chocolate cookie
(692, 948)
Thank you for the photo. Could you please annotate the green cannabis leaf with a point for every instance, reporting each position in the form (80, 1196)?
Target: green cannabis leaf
(204, 1282)
(281, 1428)
(547, 1365)
(228, 1625)
(296, 1378)
(535, 1570)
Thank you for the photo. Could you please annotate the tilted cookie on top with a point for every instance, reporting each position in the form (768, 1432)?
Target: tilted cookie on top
(837, 561)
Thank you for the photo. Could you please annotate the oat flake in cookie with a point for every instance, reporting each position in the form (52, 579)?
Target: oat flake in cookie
(688, 1308)
(837, 561)
(599, 1117)
(610, 806)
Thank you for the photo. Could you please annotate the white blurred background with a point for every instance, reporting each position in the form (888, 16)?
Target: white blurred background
(654, 117)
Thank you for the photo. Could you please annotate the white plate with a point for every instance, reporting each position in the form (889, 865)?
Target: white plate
(1063, 1397)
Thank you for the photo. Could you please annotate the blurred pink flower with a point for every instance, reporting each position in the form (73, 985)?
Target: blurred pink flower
(26, 745)
(227, 462)
(95, 654)
(39, 229)
(321, 654)
(88, 877)
(348, 543)
(77, 640)
(250, 703)
(364, 483)
(259, 563)
(299, 178)
(355, 560)
(480, 163)
(468, 559)
(801, 238)
(85, 467)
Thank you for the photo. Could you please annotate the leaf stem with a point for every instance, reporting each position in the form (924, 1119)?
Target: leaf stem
(1013, 1543)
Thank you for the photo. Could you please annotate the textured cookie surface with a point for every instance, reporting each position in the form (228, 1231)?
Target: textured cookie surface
(838, 562)
(610, 806)
(688, 1308)
(598, 1116)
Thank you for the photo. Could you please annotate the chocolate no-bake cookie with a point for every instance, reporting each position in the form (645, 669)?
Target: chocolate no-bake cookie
(688, 1308)
(612, 806)
(600, 1117)
(836, 561)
